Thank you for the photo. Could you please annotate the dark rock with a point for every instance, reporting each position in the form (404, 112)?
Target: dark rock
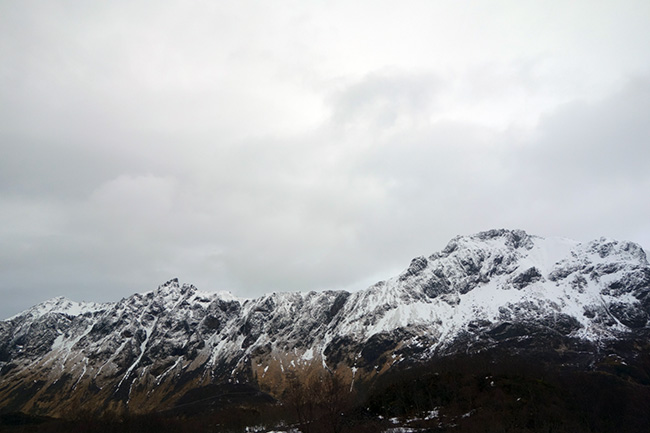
(377, 345)
(578, 283)
(436, 286)
(210, 324)
(468, 283)
(339, 302)
(607, 268)
(478, 324)
(602, 247)
(526, 278)
(562, 272)
(472, 264)
(616, 288)
(589, 311)
(341, 349)
(562, 323)
(507, 330)
(417, 265)
(513, 238)
(638, 282)
(261, 350)
(451, 247)
(631, 316)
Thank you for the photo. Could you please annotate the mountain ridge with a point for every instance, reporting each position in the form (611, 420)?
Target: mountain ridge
(493, 288)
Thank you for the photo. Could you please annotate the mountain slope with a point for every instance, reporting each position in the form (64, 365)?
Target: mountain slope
(499, 288)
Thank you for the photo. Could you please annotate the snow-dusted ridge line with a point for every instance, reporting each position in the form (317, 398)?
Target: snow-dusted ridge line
(477, 290)
(62, 305)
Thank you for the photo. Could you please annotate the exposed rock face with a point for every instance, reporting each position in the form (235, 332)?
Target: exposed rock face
(498, 287)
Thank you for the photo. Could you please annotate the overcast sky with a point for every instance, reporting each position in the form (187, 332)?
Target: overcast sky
(259, 146)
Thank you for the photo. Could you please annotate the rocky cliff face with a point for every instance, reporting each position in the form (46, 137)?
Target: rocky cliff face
(497, 288)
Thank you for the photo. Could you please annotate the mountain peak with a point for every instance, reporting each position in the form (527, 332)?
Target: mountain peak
(171, 284)
(498, 287)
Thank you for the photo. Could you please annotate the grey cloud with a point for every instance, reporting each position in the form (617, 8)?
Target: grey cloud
(582, 174)
(381, 98)
(317, 211)
(605, 140)
(586, 168)
(49, 167)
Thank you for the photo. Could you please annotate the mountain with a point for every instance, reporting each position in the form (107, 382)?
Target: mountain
(556, 300)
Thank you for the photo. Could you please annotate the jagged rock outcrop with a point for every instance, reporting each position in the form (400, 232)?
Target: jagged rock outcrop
(495, 288)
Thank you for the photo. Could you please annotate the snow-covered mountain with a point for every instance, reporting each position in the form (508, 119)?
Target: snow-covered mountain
(495, 288)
